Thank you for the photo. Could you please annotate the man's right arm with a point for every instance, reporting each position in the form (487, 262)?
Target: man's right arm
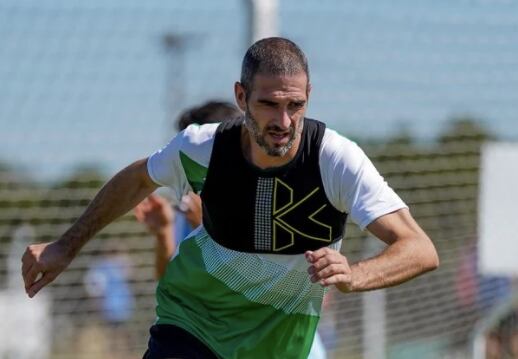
(120, 194)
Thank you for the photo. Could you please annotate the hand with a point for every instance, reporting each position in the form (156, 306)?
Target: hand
(47, 259)
(191, 208)
(329, 267)
(156, 213)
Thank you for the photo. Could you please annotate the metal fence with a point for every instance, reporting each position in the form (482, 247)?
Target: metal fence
(89, 87)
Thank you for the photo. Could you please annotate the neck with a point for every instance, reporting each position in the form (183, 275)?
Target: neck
(257, 156)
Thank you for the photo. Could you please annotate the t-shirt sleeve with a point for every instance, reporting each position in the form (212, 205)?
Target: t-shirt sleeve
(352, 183)
(165, 169)
(172, 166)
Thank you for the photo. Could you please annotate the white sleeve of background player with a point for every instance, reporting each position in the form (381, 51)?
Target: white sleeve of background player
(352, 183)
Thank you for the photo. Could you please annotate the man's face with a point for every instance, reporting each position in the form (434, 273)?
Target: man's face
(274, 110)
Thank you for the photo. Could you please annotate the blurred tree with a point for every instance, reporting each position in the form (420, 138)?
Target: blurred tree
(12, 177)
(403, 135)
(15, 185)
(83, 176)
(465, 128)
(64, 201)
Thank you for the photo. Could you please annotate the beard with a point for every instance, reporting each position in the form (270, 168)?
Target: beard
(259, 136)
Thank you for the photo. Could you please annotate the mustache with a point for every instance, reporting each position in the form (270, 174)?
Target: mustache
(275, 128)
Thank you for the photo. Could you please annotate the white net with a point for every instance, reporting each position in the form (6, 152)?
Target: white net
(88, 87)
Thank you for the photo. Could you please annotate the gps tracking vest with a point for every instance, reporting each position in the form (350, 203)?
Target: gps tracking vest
(279, 210)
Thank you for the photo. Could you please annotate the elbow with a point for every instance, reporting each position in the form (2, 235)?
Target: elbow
(431, 261)
(425, 255)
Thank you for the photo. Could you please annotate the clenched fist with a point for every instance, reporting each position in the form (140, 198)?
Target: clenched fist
(329, 267)
(42, 263)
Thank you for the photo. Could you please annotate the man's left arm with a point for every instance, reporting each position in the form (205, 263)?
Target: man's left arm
(409, 253)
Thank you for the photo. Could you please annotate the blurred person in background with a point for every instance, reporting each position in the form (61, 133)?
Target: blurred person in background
(166, 224)
(107, 282)
(249, 283)
(477, 290)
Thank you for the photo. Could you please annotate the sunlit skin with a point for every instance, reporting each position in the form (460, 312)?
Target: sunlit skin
(277, 105)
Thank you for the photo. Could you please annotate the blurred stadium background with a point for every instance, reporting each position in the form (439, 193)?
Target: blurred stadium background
(87, 87)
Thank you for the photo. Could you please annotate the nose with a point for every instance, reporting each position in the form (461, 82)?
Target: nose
(283, 119)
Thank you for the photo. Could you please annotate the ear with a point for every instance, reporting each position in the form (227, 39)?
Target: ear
(308, 90)
(240, 94)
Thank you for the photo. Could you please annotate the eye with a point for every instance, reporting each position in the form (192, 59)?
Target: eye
(297, 105)
(268, 103)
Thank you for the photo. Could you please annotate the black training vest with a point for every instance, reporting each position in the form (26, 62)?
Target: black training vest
(277, 210)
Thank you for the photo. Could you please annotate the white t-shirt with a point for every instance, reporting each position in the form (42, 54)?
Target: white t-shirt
(351, 182)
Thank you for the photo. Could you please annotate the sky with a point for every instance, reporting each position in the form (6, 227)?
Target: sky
(91, 82)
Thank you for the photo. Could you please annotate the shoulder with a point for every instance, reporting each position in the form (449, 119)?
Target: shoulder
(197, 142)
(199, 134)
(337, 149)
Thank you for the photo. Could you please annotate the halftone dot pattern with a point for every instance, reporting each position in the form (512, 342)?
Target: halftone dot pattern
(263, 214)
(285, 286)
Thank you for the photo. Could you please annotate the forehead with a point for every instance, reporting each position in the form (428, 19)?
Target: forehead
(280, 85)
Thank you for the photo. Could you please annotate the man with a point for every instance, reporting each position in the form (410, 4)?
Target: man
(168, 225)
(249, 283)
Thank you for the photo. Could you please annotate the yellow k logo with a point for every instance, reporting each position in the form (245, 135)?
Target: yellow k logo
(291, 218)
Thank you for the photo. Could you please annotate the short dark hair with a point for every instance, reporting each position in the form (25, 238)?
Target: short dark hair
(209, 112)
(272, 56)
